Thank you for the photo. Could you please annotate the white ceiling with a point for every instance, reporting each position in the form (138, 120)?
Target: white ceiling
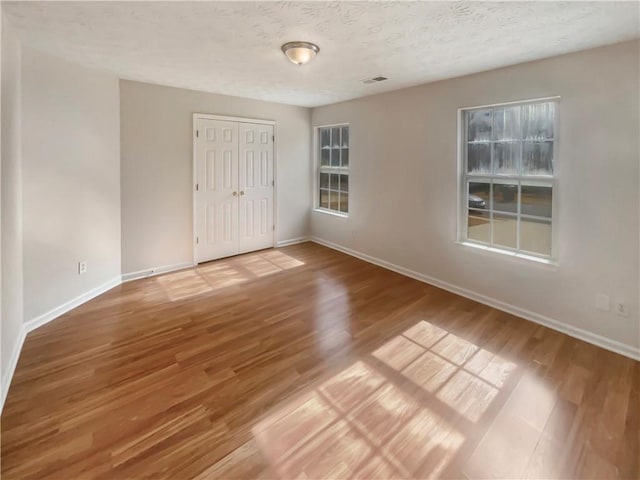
(233, 48)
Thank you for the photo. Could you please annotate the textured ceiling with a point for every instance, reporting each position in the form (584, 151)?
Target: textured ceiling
(233, 48)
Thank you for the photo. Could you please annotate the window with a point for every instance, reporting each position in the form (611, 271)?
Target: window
(507, 176)
(333, 168)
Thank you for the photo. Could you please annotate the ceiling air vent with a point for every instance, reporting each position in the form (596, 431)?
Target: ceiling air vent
(379, 78)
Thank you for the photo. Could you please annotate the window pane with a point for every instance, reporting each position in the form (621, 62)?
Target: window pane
(505, 197)
(535, 236)
(324, 156)
(478, 226)
(333, 200)
(506, 157)
(344, 202)
(344, 183)
(324, 180)
(536, 200)
(345, 136)
(335, 157)
(324, 199)
(505, 230)
(325, 137)
(334, 181)
(479, 195)
(506, 123)
(537, 120)
(537, 158)
(335, 137)
(479, 158)
(479, 122)
(345, 157)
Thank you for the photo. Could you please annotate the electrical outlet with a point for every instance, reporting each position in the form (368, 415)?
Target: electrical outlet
(621, 308)
(602, 302)
(82, 267)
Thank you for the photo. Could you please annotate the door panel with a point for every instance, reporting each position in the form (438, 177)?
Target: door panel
(256, 187)
(217, 179)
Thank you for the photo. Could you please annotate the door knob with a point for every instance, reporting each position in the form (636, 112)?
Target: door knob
(241, 192)
(235, 194)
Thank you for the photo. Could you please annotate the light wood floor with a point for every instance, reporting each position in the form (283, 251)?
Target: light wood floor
(304, 362)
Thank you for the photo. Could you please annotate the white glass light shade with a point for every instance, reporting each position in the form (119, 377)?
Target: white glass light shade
(300, 52)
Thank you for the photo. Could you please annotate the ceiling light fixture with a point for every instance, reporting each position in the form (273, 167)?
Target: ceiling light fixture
(300, 52)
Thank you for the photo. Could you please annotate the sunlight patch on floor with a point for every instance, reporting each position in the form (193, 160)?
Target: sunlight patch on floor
(224, 273)
(460, 374)
(360, 424)
(183, 284)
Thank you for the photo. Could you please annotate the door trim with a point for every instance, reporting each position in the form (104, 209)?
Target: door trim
(227, 118)
(207, 116)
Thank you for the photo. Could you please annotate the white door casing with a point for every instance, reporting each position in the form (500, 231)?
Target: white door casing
(234, 187)
(256, 186)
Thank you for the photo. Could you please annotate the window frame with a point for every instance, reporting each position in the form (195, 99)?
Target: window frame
(463, 177)
(332, 170)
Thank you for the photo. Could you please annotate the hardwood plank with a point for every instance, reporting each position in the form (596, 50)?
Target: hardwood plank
(302, 361)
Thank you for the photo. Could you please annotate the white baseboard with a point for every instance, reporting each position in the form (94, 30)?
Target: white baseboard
(292, 241)
(150, 272)
(585, 335)
(11, 368)
(70, 305)
(46, 318)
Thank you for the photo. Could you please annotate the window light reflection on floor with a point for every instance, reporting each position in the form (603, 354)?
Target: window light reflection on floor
(224, 273)
(361, 424)
(460, 374)
(331, 320)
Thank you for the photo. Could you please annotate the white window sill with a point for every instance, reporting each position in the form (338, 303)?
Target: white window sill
(508, 253)
(331, 212)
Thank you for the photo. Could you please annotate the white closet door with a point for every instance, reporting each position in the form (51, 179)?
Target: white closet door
(217, 189)
(256, 186)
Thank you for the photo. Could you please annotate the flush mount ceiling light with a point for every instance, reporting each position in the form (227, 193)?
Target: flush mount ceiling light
(300, 52)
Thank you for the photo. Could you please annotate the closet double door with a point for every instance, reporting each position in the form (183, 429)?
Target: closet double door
(233, 202)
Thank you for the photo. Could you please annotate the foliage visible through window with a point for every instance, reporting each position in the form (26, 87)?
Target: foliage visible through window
(333, 168)
(507, 177)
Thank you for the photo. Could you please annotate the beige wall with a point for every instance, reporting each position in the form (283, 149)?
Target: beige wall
(71, 188)
(10, 172)
(403, 186)
(157, 139)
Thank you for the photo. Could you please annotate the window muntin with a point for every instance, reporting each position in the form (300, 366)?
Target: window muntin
(333, 168)
(507, 176)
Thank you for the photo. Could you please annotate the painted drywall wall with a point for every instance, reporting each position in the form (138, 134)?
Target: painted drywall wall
(157, 141)
(71, 188)
(11, 313)
(403, 159)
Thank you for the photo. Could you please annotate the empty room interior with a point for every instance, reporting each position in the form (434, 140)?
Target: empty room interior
(320, 240)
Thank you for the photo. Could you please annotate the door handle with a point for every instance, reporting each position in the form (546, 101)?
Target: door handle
(235, 194)
(241, 192)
